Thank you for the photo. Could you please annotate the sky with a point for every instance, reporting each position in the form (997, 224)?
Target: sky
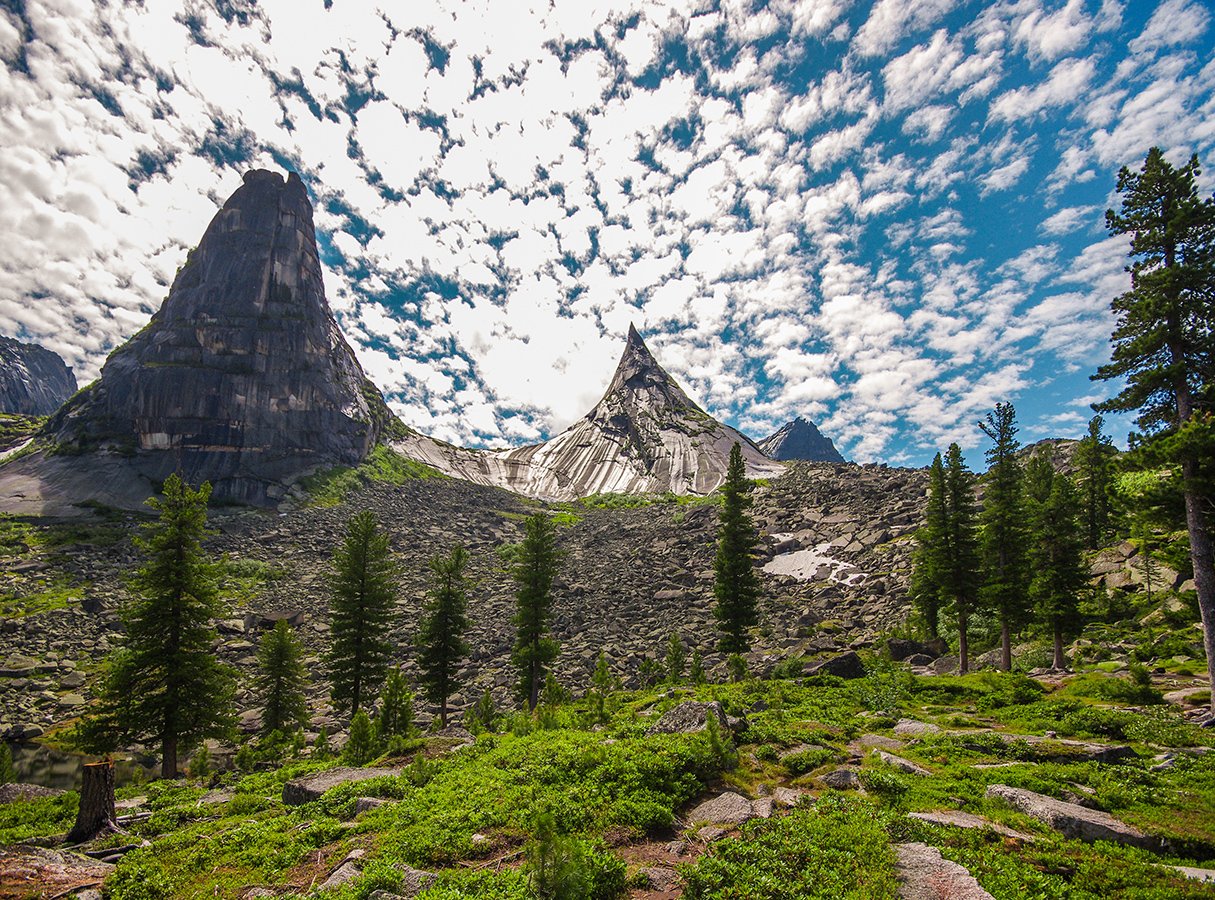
(883, 216)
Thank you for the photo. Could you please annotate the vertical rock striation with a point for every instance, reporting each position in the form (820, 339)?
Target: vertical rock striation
(242, 378)
(800, 439)
(34, 381)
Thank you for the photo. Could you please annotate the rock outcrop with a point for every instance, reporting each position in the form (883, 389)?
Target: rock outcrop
(34, 381)
(644, 436)
(242, 378)
(800, 439)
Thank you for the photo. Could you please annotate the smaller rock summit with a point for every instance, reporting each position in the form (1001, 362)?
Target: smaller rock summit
(34, 381)
(800, 439)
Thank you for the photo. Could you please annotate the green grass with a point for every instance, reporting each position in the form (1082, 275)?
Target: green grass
(15, 428)
(57, 594)
(383, 465)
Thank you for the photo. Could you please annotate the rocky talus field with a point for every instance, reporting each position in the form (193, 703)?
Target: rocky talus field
(851, 762)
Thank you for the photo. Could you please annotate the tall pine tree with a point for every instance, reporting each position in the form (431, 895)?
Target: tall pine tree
(281, 680)
(1164, 344)
(931, 553)
(1095, 472)
(960, 577)
(534, 568)
(735, 584)
(164, 684)
(363, 593)
(1004, 536)
(1058, 562)
(441, 645)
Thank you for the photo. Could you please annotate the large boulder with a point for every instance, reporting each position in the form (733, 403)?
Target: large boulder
(689, 717)
(307, 788)
(845, 665)
(926, 875)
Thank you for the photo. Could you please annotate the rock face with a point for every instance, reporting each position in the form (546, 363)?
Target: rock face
(800, 439)
(644, 436)
(1073, 820)
(33, 380)
(242, 378)
(307, 788)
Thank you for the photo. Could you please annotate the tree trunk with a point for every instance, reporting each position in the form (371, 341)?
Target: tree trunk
(168, 762)
(1005, 647)
(443, 712)
(533, 689)
(963, 647)
(96, 813)
(1202, 557)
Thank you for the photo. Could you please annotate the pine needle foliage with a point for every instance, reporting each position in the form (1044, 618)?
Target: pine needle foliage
(164, 684)
(931, 553)
(735, 585)
(534, 568)
(395, 718)
(363, 593)
(960, 575)
(1058, 563)
(1095, 474)
(281, 680)
(440, 640)
(1004, 533)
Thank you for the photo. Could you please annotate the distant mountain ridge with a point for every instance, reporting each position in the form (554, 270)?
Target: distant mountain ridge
(34, 381)
(800, 440)
(644, 436)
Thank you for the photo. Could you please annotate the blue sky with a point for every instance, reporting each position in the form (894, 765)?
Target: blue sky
(883, 216)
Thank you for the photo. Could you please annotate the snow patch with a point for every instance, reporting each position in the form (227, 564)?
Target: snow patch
(804, 565)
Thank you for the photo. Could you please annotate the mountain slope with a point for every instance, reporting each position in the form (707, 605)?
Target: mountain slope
(33, 380)
(242, 378)
(644, 436)
(800, 439)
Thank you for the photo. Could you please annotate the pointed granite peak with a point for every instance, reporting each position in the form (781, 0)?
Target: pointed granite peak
(800, 439)
(242, 378)
(639, 373)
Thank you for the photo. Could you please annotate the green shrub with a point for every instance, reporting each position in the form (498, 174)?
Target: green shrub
(807, 760)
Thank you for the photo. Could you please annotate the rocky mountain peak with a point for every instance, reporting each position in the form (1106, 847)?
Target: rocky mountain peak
(801, 440)
(242, 378)
(33, 380)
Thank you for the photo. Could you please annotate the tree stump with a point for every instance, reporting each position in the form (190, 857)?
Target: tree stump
(96, 813)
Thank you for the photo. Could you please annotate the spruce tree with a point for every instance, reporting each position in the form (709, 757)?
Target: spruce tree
(395, 718)
(361, 746)
(440, 640)
(1039, 476)
(534, 568)
(1095, 472)
(1004, 535)
(1164, 344)
(1058, 563)
(363, 589)
(281, 680)
(164, 683)
(960, 576)
(677, 658)
(931, 553)
(735, 585)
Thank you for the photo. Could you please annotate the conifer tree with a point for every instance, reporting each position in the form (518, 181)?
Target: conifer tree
(960, 576)
(440, 640)
(696, 668)
(1004, 536)
(1095, 472)
(931, 553)
(281, 680)
(735, 585)
(360, 746)
(534, 569)
(1039, 475)
(1164, 344)
(677, 657)
(395, 718)
(1058, 564)
(363, 589)
(164, 684)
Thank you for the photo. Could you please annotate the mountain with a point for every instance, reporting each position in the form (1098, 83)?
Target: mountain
(800, 439)
(644, 436)
(242, 378)
(34, 381)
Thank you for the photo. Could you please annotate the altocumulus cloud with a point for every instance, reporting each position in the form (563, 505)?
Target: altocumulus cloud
(884, 216)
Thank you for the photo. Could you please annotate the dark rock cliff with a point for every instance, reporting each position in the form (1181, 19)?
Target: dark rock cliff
(242, 378)
(33, 380)
(800, 439)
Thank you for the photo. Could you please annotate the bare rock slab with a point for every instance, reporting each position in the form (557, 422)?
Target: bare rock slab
(299, 791)
(959, 819)
(1073, 820)
(903, 765)
(725, 809)
(926, 875)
